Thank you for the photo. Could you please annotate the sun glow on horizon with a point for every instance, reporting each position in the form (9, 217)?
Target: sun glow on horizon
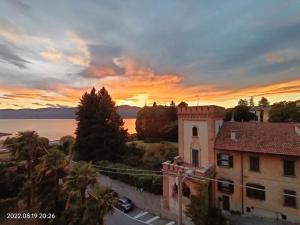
(17, 98)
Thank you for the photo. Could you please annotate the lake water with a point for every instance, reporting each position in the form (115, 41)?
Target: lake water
(53, 129)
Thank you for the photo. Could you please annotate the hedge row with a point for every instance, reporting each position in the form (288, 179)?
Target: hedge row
(149, 183)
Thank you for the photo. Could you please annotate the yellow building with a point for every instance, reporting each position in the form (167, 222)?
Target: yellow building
(256, 166)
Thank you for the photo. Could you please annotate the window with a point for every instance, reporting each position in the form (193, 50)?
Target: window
(256, 191)
(195, 157)
(289, 167)
(254, 163)
(225, 160)
(225, 185)
(283, 216)
(290, 198)
(195, 132)
(185, 190)
(233, 135)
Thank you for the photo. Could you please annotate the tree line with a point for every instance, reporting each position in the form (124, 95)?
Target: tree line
(284, 111)
(158, 122)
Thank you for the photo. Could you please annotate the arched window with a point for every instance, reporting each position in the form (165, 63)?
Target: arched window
(195, 132)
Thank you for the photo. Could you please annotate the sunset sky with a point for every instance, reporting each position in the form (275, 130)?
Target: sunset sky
(201, 51)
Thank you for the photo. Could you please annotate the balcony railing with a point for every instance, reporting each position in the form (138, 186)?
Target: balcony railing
(179, 166)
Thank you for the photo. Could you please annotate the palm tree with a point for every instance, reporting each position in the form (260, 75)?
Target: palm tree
(80, 177)
(101, 201)
(47, 188)
(27, 145)
(52, 164)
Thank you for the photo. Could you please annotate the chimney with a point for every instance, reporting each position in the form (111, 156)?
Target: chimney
(297, 129)
(232, 116)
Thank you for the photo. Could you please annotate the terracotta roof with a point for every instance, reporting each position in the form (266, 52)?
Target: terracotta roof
(271, 138)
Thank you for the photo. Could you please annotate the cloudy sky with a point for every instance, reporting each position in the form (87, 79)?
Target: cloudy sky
(203, 52)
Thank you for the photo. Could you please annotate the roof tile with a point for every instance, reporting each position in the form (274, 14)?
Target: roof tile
(271, 138)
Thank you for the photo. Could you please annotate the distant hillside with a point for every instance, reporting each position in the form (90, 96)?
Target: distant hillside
(125, 111)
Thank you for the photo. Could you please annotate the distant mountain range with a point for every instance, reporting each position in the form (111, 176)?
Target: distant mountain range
(125, 111)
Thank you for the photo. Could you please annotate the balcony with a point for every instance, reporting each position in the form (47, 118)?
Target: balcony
(179, 166)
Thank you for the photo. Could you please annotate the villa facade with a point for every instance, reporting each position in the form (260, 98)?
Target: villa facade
(253, 168)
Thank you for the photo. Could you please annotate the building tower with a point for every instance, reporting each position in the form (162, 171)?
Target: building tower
(198, 127)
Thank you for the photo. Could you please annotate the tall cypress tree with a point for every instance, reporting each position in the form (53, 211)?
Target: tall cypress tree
(100, 134)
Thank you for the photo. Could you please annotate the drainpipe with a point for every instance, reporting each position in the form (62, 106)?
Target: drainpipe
(242, 180)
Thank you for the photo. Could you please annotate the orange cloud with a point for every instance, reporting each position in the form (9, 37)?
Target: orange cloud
(139, 85)
(101, 71)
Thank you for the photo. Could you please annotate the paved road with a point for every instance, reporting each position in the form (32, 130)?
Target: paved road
(135, 217)
(119, 218)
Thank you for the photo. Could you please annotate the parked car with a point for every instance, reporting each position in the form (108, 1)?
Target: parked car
(125, 204)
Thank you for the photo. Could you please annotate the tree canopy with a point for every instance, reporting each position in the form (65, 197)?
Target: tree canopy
(251, 102)
(27, 145)
(284, 112)
(157, 122)
(240, 112)
(264, 102)
(243, 102)
(100, 134)
(182, 104)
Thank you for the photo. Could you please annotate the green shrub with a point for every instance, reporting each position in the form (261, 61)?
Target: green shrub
(157, 154)
(149, 156)
(149, 183)
(133, 154)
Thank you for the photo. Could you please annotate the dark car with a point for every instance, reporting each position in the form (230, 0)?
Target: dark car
(125, 204)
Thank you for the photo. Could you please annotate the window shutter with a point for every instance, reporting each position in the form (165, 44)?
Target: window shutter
(231, 188)
(219, 159)
(231, 161)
